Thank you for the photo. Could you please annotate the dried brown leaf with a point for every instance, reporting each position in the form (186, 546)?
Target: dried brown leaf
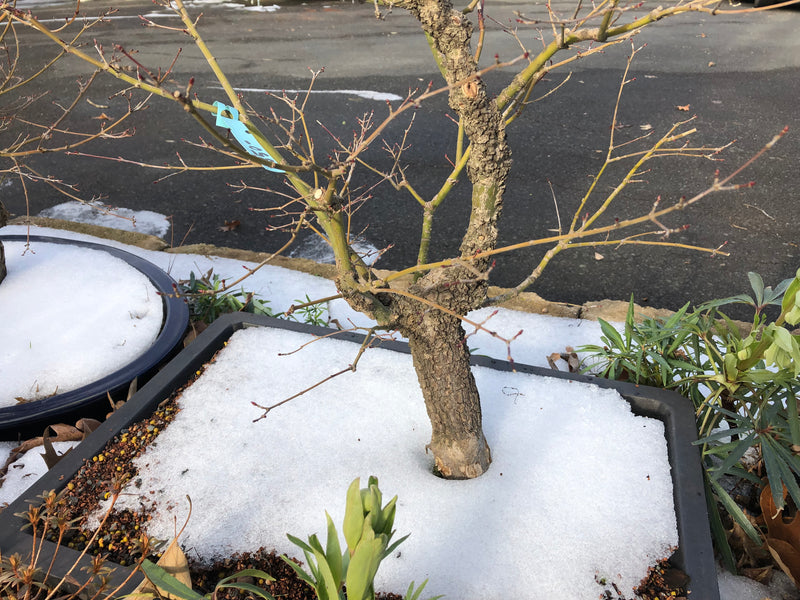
(230, 225)
(570, 357)
(749, 553)
(87, 426)
(783, 537)
(174, 562)
(64, 433)
(759, 574)
(195, 329)
(787, 557)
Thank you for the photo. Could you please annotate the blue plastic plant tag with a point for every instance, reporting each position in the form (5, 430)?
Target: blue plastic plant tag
(242, 135)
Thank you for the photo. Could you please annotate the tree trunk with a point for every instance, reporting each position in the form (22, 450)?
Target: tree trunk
(426, 314)
(441, 360)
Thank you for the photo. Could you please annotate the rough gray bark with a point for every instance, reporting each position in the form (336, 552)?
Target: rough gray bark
(441, 360)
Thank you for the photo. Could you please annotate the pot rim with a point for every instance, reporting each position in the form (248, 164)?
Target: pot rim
(173, 327)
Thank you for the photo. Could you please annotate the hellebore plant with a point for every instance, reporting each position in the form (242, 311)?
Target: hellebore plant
(744, 389)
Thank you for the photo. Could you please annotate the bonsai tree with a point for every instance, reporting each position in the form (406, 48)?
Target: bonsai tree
(430, 310)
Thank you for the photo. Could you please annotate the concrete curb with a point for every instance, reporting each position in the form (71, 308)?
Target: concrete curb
(609, 310)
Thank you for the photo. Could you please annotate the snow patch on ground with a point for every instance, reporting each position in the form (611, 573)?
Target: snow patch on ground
(24, 472)
(366, 94)
(97, 213)
(316, 249)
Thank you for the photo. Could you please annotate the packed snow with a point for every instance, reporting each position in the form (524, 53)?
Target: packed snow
(556, 445)
(60, 329)
(98, 213)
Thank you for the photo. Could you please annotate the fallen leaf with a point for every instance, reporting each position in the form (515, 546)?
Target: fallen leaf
(759, 574)
(195, 329)
(711, 63)
(783, 537)
(570, 357)
(750, 555)
(87, 426)
(646, 127)
(787, 557)
(174, 562)
(132, 387)
(63, 433)
(684, 108)
(598, 256)
(102, 117)
(230, 225)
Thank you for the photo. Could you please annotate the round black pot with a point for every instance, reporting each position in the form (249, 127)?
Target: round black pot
(25, 420)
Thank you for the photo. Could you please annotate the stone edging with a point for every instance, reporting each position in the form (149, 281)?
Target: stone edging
(610, 310)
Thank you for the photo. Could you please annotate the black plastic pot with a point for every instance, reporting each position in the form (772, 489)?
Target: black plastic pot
(694, 556)
(24, 420)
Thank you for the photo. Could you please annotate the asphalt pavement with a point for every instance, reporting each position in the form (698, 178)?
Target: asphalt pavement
(739, 74)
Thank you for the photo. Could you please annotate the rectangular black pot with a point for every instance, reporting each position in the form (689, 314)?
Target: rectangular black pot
(694, 556)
